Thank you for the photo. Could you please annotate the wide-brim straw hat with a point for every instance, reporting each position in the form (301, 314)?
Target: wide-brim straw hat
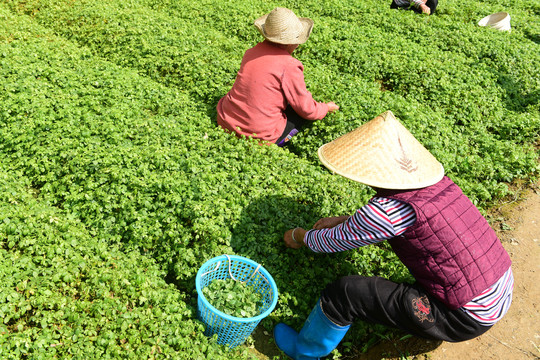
(382, 153)
(282, 26)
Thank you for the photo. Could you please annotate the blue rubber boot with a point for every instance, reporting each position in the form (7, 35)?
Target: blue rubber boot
(318, 337)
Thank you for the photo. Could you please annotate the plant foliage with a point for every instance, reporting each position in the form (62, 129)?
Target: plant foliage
(116, 183)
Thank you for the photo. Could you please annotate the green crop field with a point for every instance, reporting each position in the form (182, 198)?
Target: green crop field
(116, 184)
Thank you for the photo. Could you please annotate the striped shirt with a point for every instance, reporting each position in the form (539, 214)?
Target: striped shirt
(381, 219)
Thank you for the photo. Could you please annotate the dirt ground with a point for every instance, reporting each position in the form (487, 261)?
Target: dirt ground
(517, 335)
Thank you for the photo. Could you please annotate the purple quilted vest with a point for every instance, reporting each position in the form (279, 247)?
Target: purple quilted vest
(451, 250)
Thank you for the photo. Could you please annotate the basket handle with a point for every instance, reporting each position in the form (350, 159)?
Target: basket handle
(208, 272)
(230, 272)
(243, 282)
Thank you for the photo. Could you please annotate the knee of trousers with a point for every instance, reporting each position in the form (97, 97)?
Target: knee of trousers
(339, 298)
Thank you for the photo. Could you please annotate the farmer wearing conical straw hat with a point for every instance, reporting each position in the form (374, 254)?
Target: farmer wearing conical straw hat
(463, 277)
(269, 99)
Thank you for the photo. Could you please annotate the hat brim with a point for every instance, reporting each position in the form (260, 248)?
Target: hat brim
(307, 26)
(366, 180)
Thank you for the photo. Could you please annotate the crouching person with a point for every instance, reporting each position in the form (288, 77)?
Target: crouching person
(419, 6)
(463, 276)
(269, 99)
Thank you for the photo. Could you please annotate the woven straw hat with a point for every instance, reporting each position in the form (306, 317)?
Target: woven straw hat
(282, 26)
(382, 153)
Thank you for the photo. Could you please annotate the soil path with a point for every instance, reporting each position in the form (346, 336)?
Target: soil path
(517, 335)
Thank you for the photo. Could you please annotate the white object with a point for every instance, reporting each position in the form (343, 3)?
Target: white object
(499, 21)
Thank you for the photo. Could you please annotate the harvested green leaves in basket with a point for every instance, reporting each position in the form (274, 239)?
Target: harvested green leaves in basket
(233, 298)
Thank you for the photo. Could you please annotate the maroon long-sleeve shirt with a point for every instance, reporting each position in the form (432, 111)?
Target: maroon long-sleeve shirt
(269, 79)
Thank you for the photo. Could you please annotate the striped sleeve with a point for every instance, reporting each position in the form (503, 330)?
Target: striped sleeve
(491, 305)
(380, 219)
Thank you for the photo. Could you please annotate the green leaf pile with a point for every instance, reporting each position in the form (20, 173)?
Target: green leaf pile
(233, 298)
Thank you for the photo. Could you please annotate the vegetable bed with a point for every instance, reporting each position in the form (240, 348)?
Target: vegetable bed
(116, 184)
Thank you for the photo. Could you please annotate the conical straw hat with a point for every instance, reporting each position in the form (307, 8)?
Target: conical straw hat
(382, 153)
(282, 26)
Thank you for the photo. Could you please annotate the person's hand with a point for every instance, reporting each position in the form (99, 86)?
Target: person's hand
(329, 222)
(298, 236)
(425, 9)
(332, 106)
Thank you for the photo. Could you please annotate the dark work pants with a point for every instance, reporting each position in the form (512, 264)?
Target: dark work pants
(294, 125)
(403, 306)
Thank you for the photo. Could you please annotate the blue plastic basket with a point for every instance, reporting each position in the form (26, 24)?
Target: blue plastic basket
(233, 331)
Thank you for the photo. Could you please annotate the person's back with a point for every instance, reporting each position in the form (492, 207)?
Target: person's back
(452, 236)
(256, 103)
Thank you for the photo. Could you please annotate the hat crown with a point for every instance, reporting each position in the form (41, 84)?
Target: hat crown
(282, 23)
(282, 26)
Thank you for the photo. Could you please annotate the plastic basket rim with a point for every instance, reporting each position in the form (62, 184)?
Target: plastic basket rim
(228, 317)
